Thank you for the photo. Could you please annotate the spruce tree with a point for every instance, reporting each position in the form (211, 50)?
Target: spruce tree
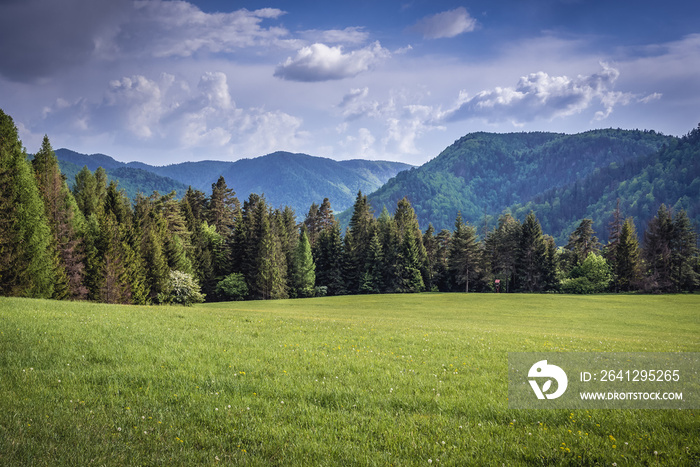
(27, 254)
(222, 207)
(371, 280)
(532, 255)
(464, 254)
(684, 253)
(304, 269)
(626, 264)
(328, 257)
(582, 242)
(658, 252)
(66, 222)
(357, 241)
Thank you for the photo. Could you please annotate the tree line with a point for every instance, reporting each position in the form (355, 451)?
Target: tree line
(93, 243)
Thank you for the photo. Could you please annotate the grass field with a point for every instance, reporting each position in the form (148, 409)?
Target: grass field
(366, 380)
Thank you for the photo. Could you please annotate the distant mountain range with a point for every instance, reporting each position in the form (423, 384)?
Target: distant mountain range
(296, 180)
(563, 178)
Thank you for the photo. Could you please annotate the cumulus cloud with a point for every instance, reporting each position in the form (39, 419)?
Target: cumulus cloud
(449, 23)
(541, 96)
(319, 62)
(404, 121)
(170, 113)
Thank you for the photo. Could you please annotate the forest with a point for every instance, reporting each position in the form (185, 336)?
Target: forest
(92, 242)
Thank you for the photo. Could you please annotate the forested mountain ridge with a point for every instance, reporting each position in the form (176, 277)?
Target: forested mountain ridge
(483, 173)
(285, 178)
(670, 176)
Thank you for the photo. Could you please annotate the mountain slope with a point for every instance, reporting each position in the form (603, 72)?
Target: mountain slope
(131, 179)
(297, 180)
(482, 173)
(670, 176)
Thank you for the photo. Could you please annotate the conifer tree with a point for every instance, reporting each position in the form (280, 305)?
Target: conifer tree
(328, 257)
(464, 254)
(27, 254)
(222, 207)
(684, 253)
(532, 255)
(658, 252)
(501, 248)
(304, 269)
(414, 256)
(357, 241)
(66, 222)
(582, 242)
(626, 264)
(371, 281)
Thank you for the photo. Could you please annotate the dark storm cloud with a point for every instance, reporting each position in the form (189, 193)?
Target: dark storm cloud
(41, 37)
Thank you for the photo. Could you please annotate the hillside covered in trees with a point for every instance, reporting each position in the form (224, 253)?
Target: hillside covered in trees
(482, 174)
(285, 178)
(92, 242)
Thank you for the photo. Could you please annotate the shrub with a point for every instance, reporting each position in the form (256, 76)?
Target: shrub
(591, 276)
(181, 289)
(232, 287)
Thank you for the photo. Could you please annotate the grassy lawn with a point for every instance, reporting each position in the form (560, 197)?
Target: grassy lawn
(363, 380)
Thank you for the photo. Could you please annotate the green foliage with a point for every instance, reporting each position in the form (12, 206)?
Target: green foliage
(28, 259)
(591, 276)
(304, 267)
(181, 289)
(232, 287)
(481, 173)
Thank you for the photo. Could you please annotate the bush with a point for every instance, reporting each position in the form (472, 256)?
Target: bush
(232, 287)
(591, 276)
(181, 289)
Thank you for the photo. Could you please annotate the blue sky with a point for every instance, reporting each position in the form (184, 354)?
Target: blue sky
(169, 81)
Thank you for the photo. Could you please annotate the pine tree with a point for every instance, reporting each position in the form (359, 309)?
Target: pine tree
(305, 269)
(582, 242)
(357, 241)
(413, 253)
(626, 265)
(684, 253)
(328, 257)
(371, 281)
(464, 255)
(501, 247)
(65, 221)
(222, 207)
(27, 254)
(431, 249)
(658, 252)
(532, 255)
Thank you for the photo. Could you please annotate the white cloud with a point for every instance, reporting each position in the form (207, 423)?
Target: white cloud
(318, 62)
(168, 113)
(446, 24)
(177, 28)
(540, 96)
(349, 35)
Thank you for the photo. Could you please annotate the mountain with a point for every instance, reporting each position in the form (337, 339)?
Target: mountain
(296, 180)
(670, 176)
(481, 174)
(130, 178)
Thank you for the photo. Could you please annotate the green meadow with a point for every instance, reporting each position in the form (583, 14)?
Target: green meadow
(361, 380)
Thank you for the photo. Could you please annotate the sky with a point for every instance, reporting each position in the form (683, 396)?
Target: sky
(171, 81)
